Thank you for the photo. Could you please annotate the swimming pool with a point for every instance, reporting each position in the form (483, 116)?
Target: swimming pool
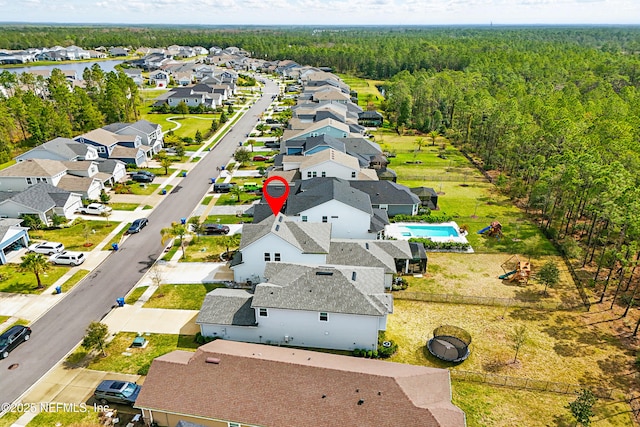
(431, 231)
(443, 232)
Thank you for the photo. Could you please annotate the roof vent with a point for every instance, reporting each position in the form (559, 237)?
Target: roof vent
(366, 245)
(324, 273)
(324, 396)
(213, 360)
(357, 390)
(360, 402)
(353, 276)
(278, 227)
(280, 218)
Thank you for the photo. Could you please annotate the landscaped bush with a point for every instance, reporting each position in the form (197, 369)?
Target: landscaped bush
(431, 219)
(430, 245)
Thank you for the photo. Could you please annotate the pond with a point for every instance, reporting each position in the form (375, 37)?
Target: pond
(78, 67)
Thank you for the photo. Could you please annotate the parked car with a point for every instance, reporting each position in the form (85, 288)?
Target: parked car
(137, 225)
(222, 187)
(141, 177)
(261, 158)
(214, 229)
(13, 337)
(47, 248)
(94, 209)
(68, 258)
(145, 172)
(113, 391)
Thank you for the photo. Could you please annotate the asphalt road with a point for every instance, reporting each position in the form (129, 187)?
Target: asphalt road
(63, 326)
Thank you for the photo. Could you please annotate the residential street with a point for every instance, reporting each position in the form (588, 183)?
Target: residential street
(62, 327)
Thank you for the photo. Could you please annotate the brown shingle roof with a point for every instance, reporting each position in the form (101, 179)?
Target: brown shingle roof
(275, 386)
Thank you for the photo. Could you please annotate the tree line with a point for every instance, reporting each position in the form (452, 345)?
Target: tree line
(37, 110)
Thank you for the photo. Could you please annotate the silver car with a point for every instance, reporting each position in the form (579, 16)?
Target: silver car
(47, 248)
(68, 258)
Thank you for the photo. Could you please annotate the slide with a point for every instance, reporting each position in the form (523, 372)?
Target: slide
(484, 229)
(506, 275)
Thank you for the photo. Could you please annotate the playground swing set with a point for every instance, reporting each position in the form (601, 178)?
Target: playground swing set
(516, 270)
(492, 230)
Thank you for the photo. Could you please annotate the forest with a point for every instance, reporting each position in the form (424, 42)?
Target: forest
(551, 113)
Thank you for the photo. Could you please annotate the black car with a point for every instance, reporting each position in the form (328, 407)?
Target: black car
(13, 337)
(142, 177)
(137, 225)
(215, 229)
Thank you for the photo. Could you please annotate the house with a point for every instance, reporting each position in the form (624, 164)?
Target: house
(62, 149)
(336, 307)
(281, 240)
(127, 148)
(335, 202)
(159, 78)
(111, 171)
(12, 237)
(394, 198)
(24, 174)
(327, 163)
(135, 74)
(370, 118)
(42, 200)
(327, 126)
(226, 383)
(118, 51)
(150, 133)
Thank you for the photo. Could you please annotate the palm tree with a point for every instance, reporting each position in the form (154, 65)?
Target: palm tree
(433, 135)
(176, 230)
(37, 264)
(236, 191)
(419, 143)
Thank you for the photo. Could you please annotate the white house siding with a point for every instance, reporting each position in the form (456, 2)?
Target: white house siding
(330, 169)
(74, 202)
(119, 172)
(10, 209)
(346, 222)
(93, 192)
(252, 267)
(305, 329)
(232, 333)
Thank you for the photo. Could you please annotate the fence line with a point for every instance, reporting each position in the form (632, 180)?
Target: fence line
(489, 301)
(445, 177)
(531, 384)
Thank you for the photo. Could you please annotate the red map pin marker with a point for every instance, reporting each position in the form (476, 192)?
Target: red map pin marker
(276, 203)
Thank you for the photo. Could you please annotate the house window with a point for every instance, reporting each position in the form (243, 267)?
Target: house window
(383, 207)
(267, 256)
(263, 312)
(309, 174)
(324, 317)
(324, 174)
(324, 219)
(29, 181)
(353, 174)
(276, 257)
(304, 218)
(233, 424)
(102, 149)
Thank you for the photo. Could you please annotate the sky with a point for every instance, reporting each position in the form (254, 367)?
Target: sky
(323, 12)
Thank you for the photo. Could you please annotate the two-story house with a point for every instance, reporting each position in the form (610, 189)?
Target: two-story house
(280, 240)
(150, 133)
(127, 148)
(337, 307)
(63, 149)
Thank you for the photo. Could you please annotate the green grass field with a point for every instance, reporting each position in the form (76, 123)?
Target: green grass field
(183, 297)
(81, 236)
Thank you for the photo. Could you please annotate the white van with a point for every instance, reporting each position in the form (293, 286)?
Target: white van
(68, 258)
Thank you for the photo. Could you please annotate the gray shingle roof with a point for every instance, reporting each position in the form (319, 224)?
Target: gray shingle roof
(224, 306)
(64, 147)
(317, 191)
(307, 237)
(332, 289)
(386, 192)
(360, 252)
(41, 197)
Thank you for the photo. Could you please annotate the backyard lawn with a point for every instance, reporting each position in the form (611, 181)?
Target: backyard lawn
(208, 248)
(182, 297)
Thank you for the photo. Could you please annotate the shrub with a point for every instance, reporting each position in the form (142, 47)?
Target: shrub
(440, 246)
(430, 219)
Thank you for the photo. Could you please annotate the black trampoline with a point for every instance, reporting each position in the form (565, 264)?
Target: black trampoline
(450, 343)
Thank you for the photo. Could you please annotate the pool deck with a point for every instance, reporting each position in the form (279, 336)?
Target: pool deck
(400, 231)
